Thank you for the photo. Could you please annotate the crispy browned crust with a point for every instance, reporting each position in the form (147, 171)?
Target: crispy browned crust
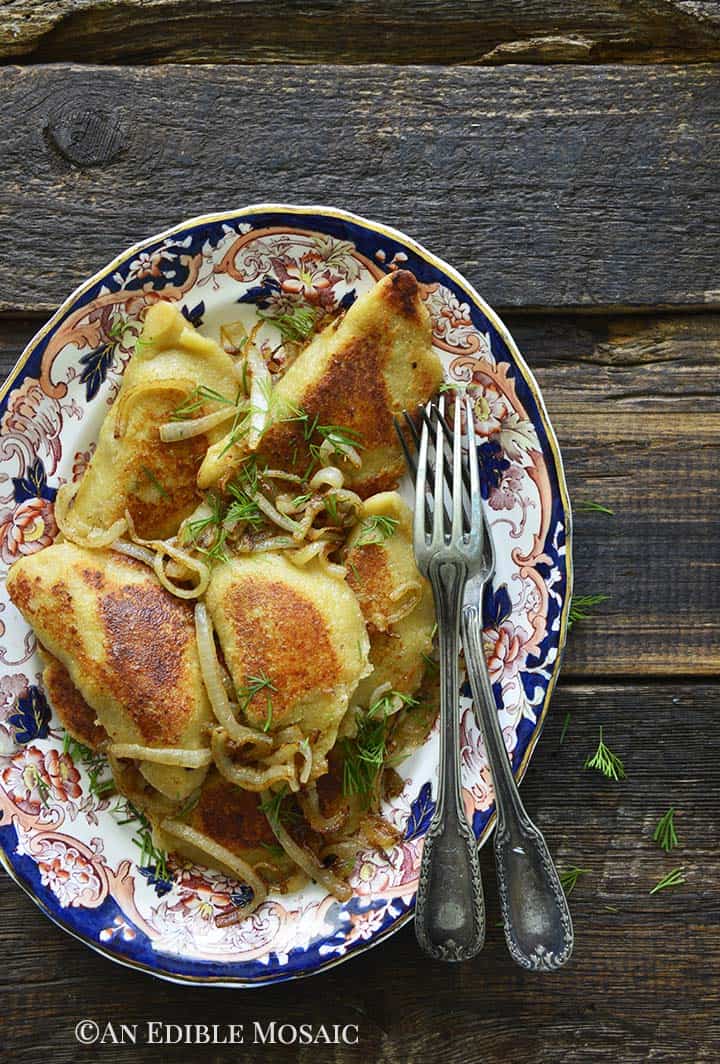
(231, 816)
(161, 477)
(370, 578)
(75, 714)
(282, 635)
(362, 389)
(146, 634)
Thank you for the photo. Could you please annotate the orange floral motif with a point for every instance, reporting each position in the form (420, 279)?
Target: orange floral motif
(27, 529)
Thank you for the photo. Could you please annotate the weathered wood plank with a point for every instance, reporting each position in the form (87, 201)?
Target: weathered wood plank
(635, 403)
(644, 984)
(428, 31)
(548, 187)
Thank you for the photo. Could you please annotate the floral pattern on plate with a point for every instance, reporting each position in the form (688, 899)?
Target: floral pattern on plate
(60, 838)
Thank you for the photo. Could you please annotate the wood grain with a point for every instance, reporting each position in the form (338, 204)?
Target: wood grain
(428, 31)
(644, 984)
(635, 403)
(549, 187)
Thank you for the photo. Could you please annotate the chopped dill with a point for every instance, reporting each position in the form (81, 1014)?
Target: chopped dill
(385, 706)
(153, 480)
(194, 529)
(302, 500)
(375, 529)
(295, 325)
(589, 507)
(272, 807)
(566, 725)
(196, 400)
(243, 510)
(42, 786)
(569, 878)
(430, 662)
(605, 761)
(254, 686)
(665, 835)
(581, 607)
(95, 763)
(150, 855)
(354, 570)
(364, 757)
(189, 804)
(331, 507)
(273, 849)
(672, 879)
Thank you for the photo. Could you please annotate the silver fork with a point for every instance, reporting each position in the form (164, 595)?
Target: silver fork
(450, 908)
(536, 916)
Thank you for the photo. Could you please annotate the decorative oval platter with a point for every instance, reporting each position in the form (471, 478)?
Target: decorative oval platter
(69, 846)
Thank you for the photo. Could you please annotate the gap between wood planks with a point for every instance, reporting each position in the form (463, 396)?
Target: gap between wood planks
(428, 31)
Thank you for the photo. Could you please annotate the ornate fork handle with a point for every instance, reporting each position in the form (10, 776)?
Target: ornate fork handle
(537, 922)
(450, 908)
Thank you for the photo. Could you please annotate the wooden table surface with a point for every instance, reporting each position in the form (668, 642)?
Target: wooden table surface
(565, 157)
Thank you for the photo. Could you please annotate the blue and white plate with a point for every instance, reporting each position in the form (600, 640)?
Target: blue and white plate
(60, 841)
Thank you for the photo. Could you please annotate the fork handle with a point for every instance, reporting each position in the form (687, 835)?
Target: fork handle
(536, 917)
(450, 908)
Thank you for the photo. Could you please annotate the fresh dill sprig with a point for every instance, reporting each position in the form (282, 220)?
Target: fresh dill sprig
(189, 804)
(581, 606)
(243, 508)
(295, 325)
(276, 813)
(672, 879)
(605, 761)
(119, 327)
(42, 786)
(338, 437)
(194, 532)
(150, 855)
(364, 755)
(430, 662)
(589, 507)
(252, 687)
(331, 507)
(665, 835)
(385, 704)
(196, 400)
(95, 764)
(566, 725)
(375, 529)
(569, 878)
(153, 480)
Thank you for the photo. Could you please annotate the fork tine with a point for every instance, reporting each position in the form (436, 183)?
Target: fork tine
(409, 455)
(438, 536)
(477, 524)
(410, 422)
(457, 486)
(420, 478)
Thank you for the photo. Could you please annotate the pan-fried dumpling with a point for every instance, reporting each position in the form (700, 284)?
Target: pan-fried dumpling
(128, 646)
(75, 714)
(399, 656)
(356, 375)
(299, 628)
(380, 561)
(132, 468)
(232, 818)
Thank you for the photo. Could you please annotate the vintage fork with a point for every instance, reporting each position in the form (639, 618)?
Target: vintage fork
(536, 916)
(450, 908)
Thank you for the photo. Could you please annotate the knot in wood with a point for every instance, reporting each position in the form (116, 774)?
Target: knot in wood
(86, 136)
